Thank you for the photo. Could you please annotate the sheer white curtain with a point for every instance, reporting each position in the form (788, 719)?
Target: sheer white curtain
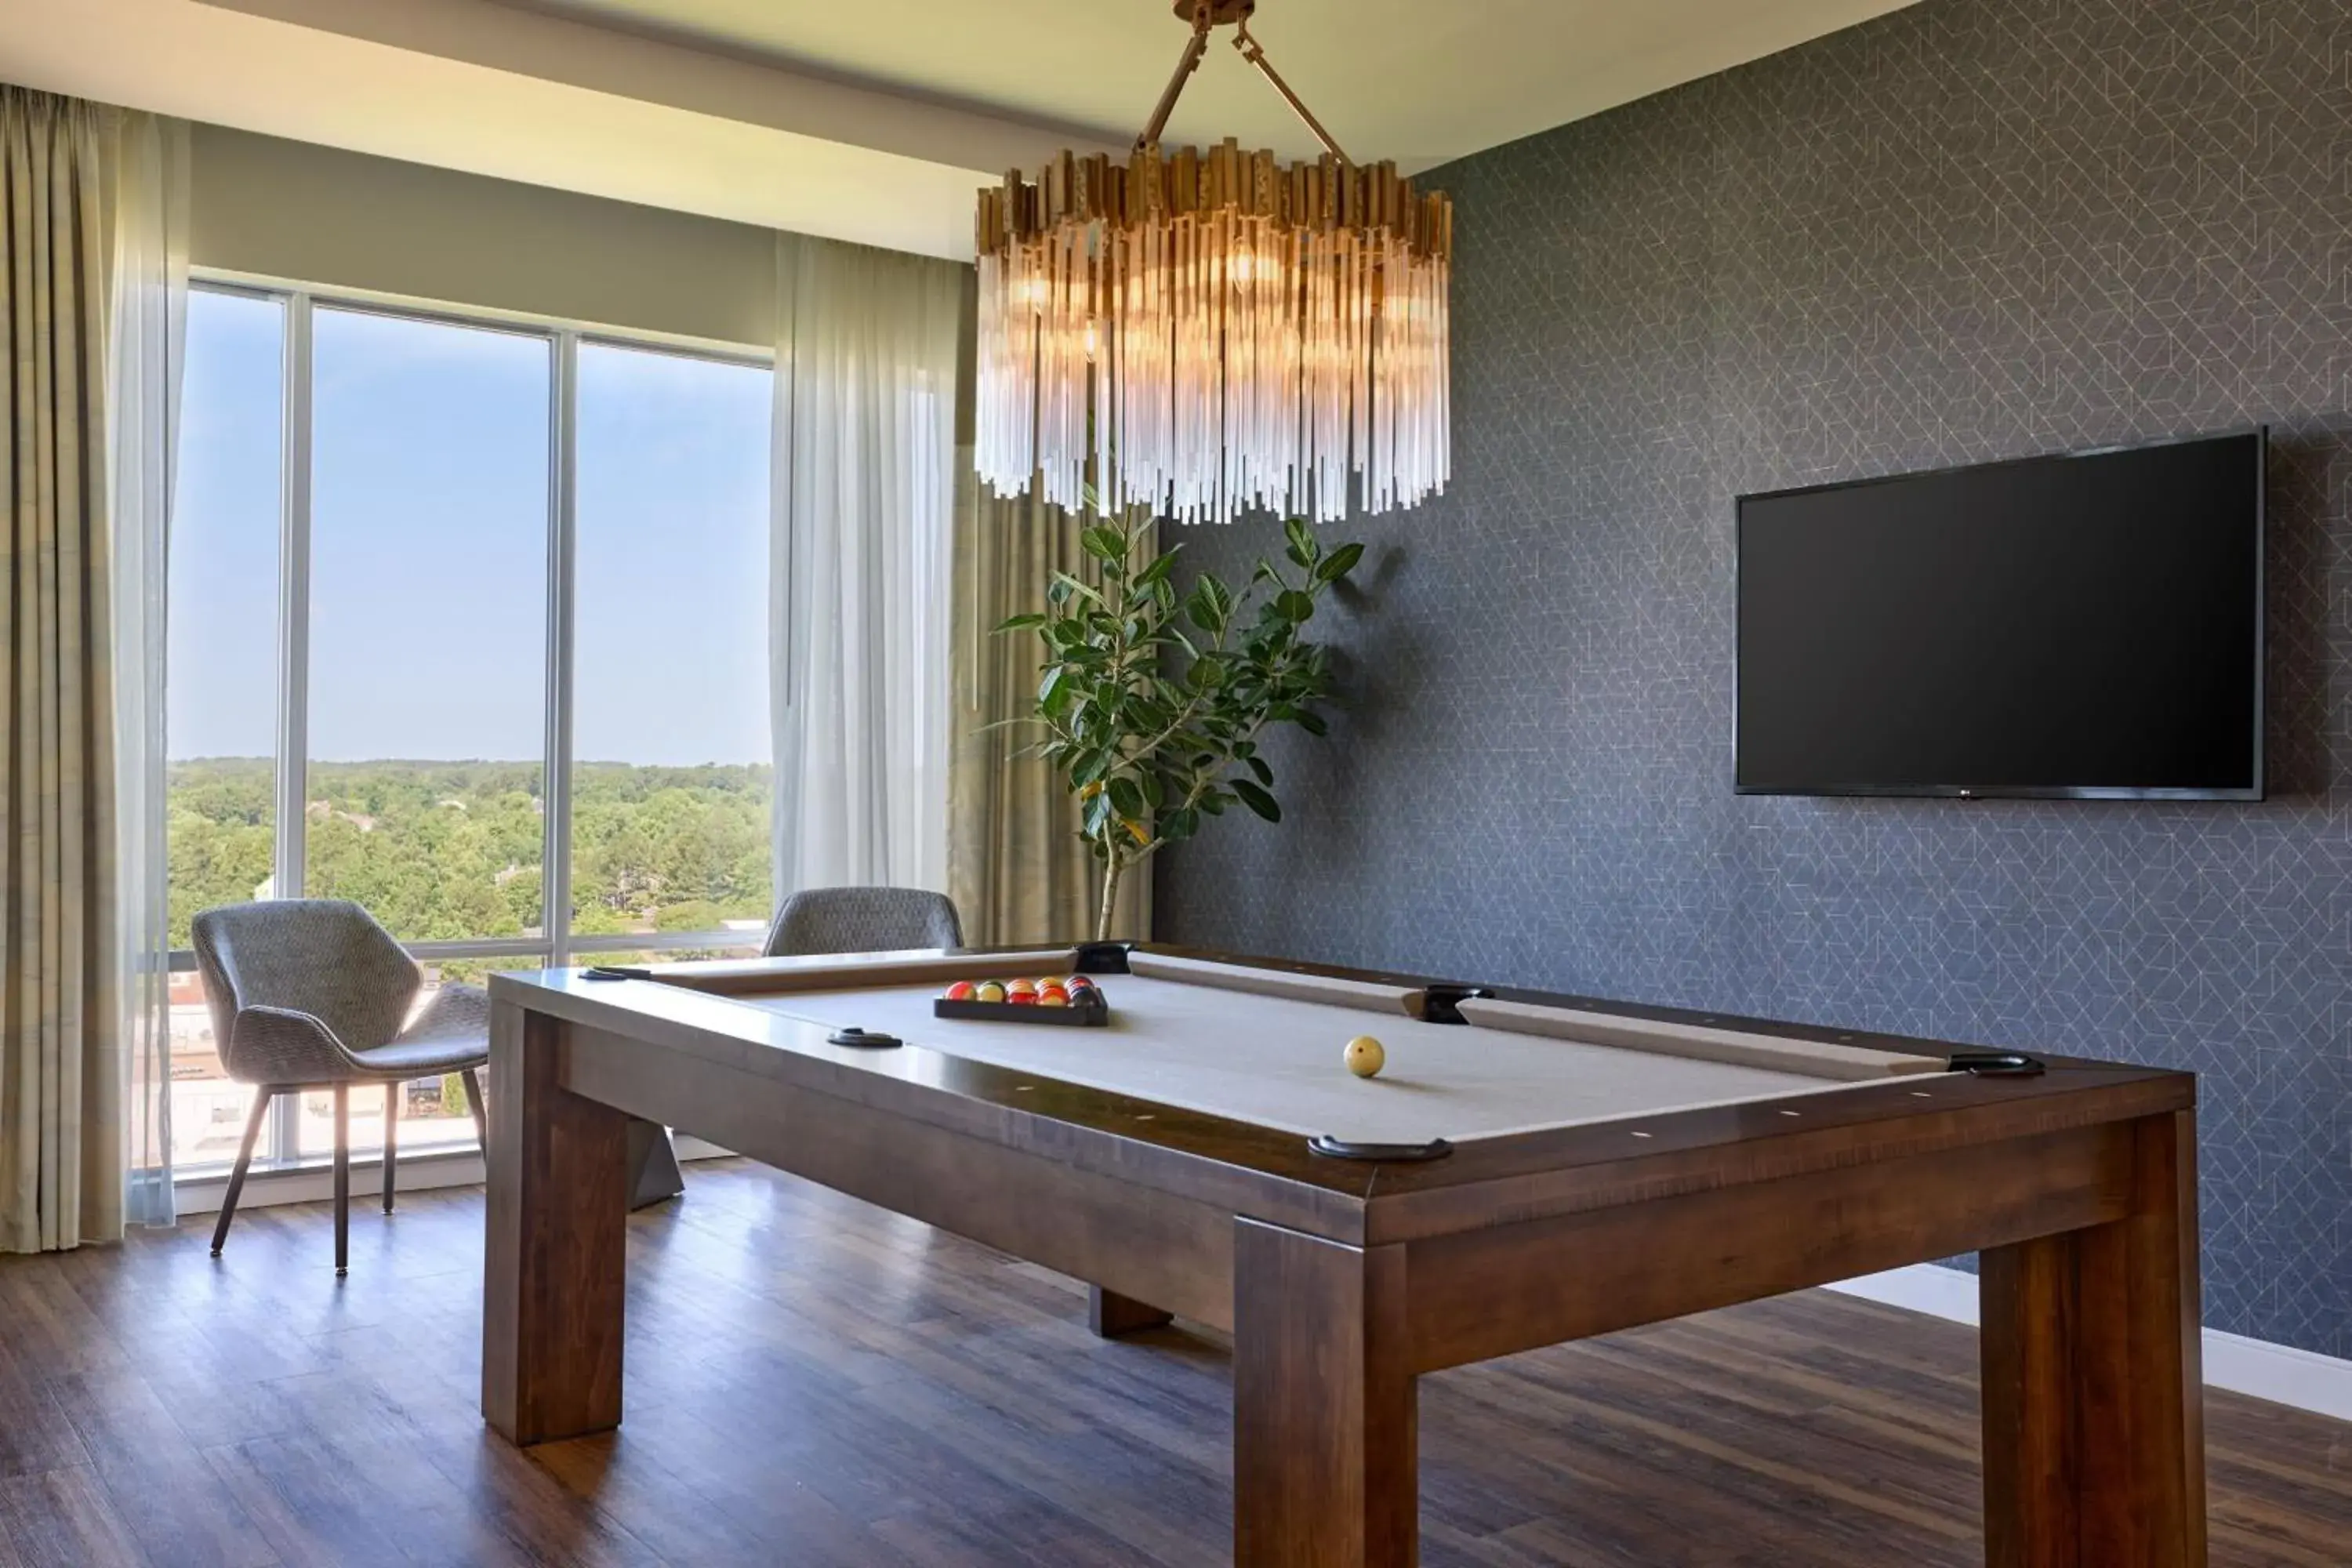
(148, 323)
(864, 518)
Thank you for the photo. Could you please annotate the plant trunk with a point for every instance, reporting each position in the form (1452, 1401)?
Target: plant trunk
(1112, 867)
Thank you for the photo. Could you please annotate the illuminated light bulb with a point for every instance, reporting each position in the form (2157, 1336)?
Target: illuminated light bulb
(1203, 359)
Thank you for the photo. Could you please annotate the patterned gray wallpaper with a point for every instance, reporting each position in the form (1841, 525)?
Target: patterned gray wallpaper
(1973, 229)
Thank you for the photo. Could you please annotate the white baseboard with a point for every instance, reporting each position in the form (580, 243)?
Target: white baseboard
(2281, 1374)
(316, 1183)
(1928, 1288)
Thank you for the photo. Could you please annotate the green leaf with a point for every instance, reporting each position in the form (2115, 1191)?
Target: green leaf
(1257, 765)
(1311, 721)
(1126, 799)
(1257, 800)
(1338, 564)
(1072, 588)
(1162, 565)
(1104, 543)
(1050, 686)
(1204, 608)
(1020, 624)
(1301, 546)
(1293, 606)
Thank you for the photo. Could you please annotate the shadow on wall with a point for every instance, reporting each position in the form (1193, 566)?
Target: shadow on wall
(2308, 466)
(1377, 668)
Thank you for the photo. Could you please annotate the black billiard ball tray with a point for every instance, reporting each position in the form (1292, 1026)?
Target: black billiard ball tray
(1091, 1015)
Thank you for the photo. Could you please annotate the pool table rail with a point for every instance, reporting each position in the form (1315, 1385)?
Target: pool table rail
(1270, 1174)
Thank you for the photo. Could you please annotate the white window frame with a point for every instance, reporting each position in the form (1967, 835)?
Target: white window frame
(556, 943)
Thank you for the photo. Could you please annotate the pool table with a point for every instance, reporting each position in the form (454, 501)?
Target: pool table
(1526, 1169)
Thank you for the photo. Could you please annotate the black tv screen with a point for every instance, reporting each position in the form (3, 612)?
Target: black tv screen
(2071, 626)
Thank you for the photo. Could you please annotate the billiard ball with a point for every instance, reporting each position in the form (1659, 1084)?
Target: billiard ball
(961, 991)
(1365, 1056)
(1052, 995)
(1020, 988)
(989, 991)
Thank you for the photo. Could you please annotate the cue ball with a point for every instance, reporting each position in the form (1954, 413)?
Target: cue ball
(1365, 1056)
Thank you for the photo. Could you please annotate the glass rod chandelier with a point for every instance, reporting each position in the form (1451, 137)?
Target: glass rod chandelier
(1205, 332)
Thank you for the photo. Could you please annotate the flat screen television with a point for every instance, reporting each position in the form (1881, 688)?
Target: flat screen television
(2081, 626)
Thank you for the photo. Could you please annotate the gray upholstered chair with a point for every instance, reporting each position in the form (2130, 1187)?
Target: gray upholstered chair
(863, 919)
(312, 992)
(819, 920)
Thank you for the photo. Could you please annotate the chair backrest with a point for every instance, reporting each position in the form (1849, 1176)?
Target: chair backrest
(863, 919)
(320, 956)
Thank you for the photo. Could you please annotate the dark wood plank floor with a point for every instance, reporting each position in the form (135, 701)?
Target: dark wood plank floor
(814, 1382)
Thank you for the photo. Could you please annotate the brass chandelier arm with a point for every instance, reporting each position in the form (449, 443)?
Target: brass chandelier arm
(1196, 46)
(1205, 16)
(1255, 52)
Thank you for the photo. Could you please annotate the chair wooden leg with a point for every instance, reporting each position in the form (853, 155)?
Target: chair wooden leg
(390, 1138)
(342, 1178)
(262, 1096)
(474, 1104)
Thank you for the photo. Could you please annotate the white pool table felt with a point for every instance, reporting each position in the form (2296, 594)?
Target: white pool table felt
(1277, 1062)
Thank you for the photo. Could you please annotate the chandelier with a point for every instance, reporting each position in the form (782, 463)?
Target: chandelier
(1204, 332)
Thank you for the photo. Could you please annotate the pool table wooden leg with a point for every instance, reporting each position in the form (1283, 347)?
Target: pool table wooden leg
(2094, 1425)
(1111, 1314)
(1326, 1472)
(557, 1229)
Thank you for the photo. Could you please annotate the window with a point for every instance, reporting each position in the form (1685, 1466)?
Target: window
(415, 556)
(429, 624)
(221, 707)
(670, 785)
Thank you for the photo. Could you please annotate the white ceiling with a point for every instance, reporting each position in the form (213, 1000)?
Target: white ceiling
(867, 119)
(1420, 81)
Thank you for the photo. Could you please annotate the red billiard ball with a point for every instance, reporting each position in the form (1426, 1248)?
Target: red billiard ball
(962, 991)
(1052, 995)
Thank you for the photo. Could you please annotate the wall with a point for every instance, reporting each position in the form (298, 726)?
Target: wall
(1970, 230)
(320, 215)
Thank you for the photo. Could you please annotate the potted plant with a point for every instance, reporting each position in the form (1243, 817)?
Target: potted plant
(1153, 700)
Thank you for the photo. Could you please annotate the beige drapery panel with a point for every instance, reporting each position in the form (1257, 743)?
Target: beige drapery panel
(1017, 868)
(61, 1091)
(863, 476)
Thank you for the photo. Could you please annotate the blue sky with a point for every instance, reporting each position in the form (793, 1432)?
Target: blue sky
(429, 481)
